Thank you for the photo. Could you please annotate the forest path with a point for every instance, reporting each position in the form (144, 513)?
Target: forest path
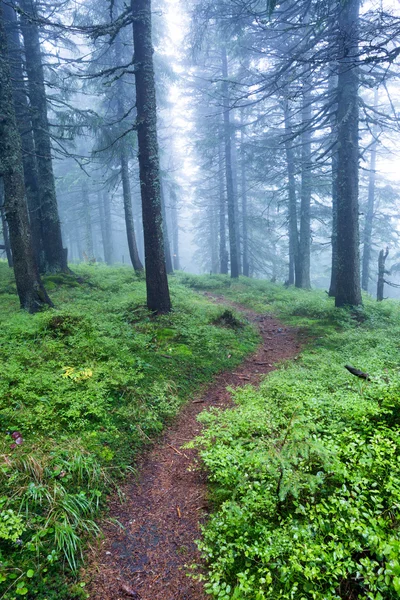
(146, 560)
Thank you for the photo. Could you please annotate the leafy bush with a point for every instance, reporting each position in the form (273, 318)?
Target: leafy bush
(305, 471)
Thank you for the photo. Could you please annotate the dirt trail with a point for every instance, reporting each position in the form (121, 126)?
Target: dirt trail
(164, 507)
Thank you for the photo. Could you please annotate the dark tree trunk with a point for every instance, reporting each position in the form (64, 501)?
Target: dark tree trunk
(244, 200)
(4, 226)
(236, 198)
(130, 225)
(22, 113)
(292, 202)
(55, 257)
(369, 219)
(303, 280)
(108, 243)
(213, 240)
(381, 274)
(175, 230)
(31, 292)
(334, 170)
(102, 225)
(348, 290)
(167, 246)
(223, 253)
(158, 298)
(228, 170)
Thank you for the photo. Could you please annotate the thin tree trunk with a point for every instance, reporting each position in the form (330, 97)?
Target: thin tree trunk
(175, 230)
(223, 253)
(236, 198)
(22, 113)
(213, 239)
(332, 89)
(305, 202)
(381, 274)
(88, 222)
(167, 246)
(244, 200)
(4, 225)
(130, 226)
(55, 257)
(31, 292)
(158, 298)
(108, 242)
(102, 224)
(369, 219)
(228, 169)
(292, 208)
(348, 290)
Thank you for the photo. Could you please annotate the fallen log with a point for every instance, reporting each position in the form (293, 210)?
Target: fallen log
(357, 373)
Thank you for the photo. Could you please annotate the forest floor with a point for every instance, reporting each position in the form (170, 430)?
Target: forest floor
(150, 540)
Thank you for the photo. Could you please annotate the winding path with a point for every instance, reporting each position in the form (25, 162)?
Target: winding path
(146, 560)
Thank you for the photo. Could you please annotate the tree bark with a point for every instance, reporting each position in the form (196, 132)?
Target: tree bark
(334, 170)
(55, 257)
(303, 280)
(167, 246)
(244, 199)
(158, 298)
(228, 170)
(108, 243)
(22, 113)
(223, 253)
(348, 290)
(129, 222)
(4, 226)
(292, 201)
(369, 219)
(175, 230)
(88, 222)
(31, 292)
(381, 274)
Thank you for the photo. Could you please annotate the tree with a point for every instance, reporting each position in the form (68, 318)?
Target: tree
(348, 290)
(158, 299)
(31, 292)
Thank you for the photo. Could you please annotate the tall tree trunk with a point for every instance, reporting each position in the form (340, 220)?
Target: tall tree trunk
(175, 230)
(348, 290)
(167, 246)
(213, 233)
(244, 199)
(55, 257)
(158, 298)
(88, 222)
(130, 226)
(31, 292)
(223, 253)
(369, 219)
(108, 242)
(292, 204)
(332, 88)
(381, 274)
(236, 199)
(22, 113)
(4, 226)
(303, 280)
(228, 170)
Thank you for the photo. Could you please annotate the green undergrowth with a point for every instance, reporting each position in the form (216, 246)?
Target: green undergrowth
(305, 470)
(83, 387)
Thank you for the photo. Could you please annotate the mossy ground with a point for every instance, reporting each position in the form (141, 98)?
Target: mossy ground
(84, 386)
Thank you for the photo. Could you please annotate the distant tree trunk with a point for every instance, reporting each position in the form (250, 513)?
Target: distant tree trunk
(130, 226)
(108, 243)
(87, 221)
(223, 253)
(332, 89)
(303, 280)
(292, 204)
(167, 246)
(158, 298)
(31, 292)
(236, 198)
(213, 236)
(348, 290)
(4, 225)
(228, 169)
(55, 257)
(102, 224)
(175, 230)
(244, 199)
(381, 274)
(22, 113)
(370, 208)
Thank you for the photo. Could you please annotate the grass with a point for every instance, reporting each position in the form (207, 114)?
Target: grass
(82, 389)
(305, 470)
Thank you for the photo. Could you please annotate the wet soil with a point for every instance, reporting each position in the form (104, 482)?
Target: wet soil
(145, 557)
